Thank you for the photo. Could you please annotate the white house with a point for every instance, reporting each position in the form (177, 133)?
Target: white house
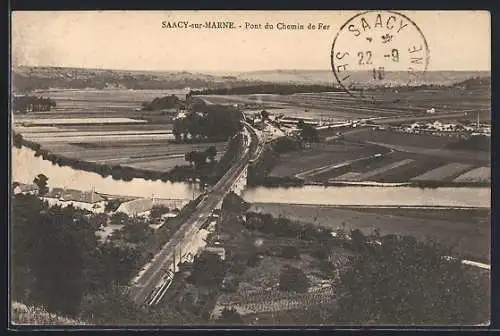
(142, 205)
(87, 200)
(137, 206)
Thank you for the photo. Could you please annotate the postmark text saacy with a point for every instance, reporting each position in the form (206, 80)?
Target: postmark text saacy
(373, 44)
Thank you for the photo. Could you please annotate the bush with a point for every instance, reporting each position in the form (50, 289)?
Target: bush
(158, 210)
(230, 316)
(290, 252)
(292, 279)
(408, 282)
(285, 144)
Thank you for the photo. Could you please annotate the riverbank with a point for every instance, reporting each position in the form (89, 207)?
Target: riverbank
(467, 229)
(376, 196)
(117, 172)
(208, 173)
(422, 184)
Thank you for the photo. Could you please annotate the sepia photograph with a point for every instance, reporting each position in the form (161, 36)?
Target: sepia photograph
(250, 168)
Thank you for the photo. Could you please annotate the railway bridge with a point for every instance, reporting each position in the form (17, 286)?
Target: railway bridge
(149, 286)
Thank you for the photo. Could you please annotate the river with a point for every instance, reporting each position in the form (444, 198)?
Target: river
(372, 196)
(25, 166)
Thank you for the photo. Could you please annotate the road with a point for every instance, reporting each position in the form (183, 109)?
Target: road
(146, 282)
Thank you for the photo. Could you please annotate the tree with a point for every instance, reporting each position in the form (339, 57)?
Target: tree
(230, 316)
(177, 134)
(111, 306)
(17, 140)
(189, 157)
(199, 158)
(98, 220)
(112, 205)
(290, 252)
(293, 279)
(53, 253)
(136, 231)
(158, 210)
(285, 144)
(119, 218)
(211, 153)
(409, 282)
(358, 239)
(309, 133)
(208, 270)
(41, 182)
(300, 124)
(264, 115)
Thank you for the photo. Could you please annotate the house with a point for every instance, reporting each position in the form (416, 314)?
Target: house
(220, 251)
(142, 206)
(87, 200)
(137, 206)
(22, 188)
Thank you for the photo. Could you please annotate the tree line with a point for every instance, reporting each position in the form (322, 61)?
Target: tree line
(207, 122)
(82, 79)
(59, 263)
(268, 88)
(199, 158)
(166, 102)
(399, 280)
(27, 104)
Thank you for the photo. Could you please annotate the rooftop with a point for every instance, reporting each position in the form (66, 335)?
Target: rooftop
(74, 195)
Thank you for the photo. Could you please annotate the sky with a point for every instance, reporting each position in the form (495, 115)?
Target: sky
(128, 40)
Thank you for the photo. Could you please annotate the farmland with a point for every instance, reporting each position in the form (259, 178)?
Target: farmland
(382, 156)
(404, 157)
(256, 281)
(468, 229)
(468, 96)
(106, 127)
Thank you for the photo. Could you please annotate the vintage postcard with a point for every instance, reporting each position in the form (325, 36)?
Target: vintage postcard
(176, 168)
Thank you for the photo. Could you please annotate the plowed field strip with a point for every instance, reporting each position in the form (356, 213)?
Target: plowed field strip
(378, 171)
(480, 174)
(444, 172)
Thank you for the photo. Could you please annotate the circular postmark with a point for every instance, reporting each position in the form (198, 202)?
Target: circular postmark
(377, 49)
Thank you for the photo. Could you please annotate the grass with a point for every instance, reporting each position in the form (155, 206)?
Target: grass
(401, 139)
(405, 172)
(443, 173)
(481, 174)
(317, 156)
(30, 315)
(468, 229)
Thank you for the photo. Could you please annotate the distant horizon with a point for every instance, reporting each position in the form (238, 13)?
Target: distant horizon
(222, 72)
(134, 40)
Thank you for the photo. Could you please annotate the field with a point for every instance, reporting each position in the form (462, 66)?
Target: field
(142, 140)
(104, 127)
(395, 102)
(326, 76)
(481, 174)
(403, 158)
(317, 156)
(258, 285)
(468, 229)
